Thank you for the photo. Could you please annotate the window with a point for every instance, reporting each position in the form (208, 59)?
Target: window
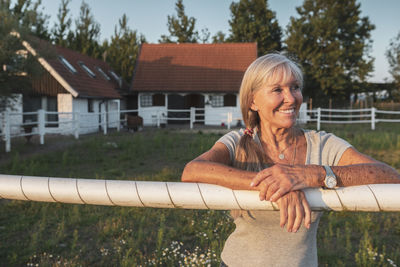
(146, 100)
(158, 100)
(90, 107)
(103, 73)
(114, 75)
(86, 68)
(67, 64)
(217, 101)
(229, 100)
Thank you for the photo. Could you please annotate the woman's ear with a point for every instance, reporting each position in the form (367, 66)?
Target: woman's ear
(254, 107)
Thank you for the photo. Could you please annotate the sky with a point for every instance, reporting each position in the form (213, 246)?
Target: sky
(149, 17)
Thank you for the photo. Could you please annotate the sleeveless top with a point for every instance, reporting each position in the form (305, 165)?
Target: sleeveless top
(258, 240)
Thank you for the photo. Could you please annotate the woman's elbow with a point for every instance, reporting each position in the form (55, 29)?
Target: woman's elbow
(187, 174)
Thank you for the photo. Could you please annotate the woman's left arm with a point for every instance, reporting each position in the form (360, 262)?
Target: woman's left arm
(354, 168)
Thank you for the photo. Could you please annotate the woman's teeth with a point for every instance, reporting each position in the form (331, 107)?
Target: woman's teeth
(286, 111)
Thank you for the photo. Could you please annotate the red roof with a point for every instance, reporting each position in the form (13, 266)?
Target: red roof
(81, 82)
(192, 67)
(85, 85)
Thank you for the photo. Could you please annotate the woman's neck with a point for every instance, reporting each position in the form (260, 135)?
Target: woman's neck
(276, 138)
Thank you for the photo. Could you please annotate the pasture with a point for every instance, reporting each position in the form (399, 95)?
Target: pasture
(48, 234)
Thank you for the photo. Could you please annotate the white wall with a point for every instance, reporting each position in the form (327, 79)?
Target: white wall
(149, 115)
(218, 115)
(15, 105)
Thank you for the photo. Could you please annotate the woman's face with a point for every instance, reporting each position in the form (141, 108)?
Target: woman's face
(278, 103)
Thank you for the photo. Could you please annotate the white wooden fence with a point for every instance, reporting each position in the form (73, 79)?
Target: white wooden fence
(76, 124)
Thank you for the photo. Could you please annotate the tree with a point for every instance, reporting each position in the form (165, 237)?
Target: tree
(253, 21)
(219, 37)
(29, 16)
(181, 27)
(332, 42)
(122, 52)
(17, 67)
(393, 56)
(85, 38)
(61, 29)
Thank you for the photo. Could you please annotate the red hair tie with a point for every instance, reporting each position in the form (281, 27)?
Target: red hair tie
(249, 132)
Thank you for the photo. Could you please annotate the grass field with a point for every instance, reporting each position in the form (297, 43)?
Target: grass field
(48, 234)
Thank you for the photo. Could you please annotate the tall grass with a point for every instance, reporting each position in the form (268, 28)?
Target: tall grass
(55, 234)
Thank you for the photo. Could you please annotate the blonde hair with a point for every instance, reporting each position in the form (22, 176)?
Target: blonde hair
(271, 68)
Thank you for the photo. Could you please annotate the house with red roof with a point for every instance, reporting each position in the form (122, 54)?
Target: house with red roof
(171, 77)
(72, 83)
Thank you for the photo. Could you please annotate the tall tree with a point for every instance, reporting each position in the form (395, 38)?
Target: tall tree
(29, 15)
(181, 27)
(16, 66)
(393, 56)
(123, 49)
(85, 38)
(61, 29)
(332, 42)
(219, 37)
(253, 21)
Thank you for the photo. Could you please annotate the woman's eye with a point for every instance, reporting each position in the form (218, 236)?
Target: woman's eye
(295, 88)
(277, 90)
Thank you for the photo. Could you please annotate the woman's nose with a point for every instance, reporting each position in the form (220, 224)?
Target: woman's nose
(289, 97)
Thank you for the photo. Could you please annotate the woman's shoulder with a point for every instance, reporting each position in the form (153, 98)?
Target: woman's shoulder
(322, 136)
(232, 136)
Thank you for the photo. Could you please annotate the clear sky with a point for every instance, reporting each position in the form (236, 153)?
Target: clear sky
(149, 17)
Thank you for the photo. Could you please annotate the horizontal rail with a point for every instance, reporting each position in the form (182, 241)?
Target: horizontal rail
(377, 197)
(363, 121)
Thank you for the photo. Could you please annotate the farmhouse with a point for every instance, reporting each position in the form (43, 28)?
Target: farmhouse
(72, 83)
(173, 77)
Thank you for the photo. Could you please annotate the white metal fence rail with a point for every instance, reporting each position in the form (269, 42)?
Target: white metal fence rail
(374, 197)
(76, 123)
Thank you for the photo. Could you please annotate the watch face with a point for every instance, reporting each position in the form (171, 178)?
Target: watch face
(330, 182)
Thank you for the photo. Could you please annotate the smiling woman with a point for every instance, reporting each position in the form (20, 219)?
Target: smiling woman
(275, 157)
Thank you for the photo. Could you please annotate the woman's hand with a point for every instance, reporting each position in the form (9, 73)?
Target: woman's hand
(294, 209)
(276, 181)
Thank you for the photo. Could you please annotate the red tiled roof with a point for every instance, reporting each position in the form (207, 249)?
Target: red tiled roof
(81, 82)
(85, 85)
(192, 67)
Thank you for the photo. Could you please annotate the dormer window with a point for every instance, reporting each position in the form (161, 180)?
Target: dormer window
(103, 73)
(67, 64)
(114, 75)
(86, 68)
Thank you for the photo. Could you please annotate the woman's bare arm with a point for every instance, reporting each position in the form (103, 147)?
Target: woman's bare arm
(213, 167)
(354, 168)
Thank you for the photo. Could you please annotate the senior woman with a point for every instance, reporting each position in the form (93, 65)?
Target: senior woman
(277, 158)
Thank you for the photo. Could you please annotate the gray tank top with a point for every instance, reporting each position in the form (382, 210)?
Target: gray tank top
(258, 239)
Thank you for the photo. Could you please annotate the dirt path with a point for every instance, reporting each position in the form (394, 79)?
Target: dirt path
(26, 149)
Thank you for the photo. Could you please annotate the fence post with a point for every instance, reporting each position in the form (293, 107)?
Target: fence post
(318, 119)
(119, 120)
(373, 118)
(192, 116)
(104, 122)
(76, 118)
(7, 130)
(229, 119)
(158, 119)
(41, 124)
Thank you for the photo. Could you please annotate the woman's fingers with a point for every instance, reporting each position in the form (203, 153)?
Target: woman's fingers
(283, 212)
(291, 210)
(261, 176)
(307, 212)
(299, 217)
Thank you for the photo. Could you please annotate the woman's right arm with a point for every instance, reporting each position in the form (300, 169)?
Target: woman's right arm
(212, 167)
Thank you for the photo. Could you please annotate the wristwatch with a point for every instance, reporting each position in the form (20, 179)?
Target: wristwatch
(330, 178)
